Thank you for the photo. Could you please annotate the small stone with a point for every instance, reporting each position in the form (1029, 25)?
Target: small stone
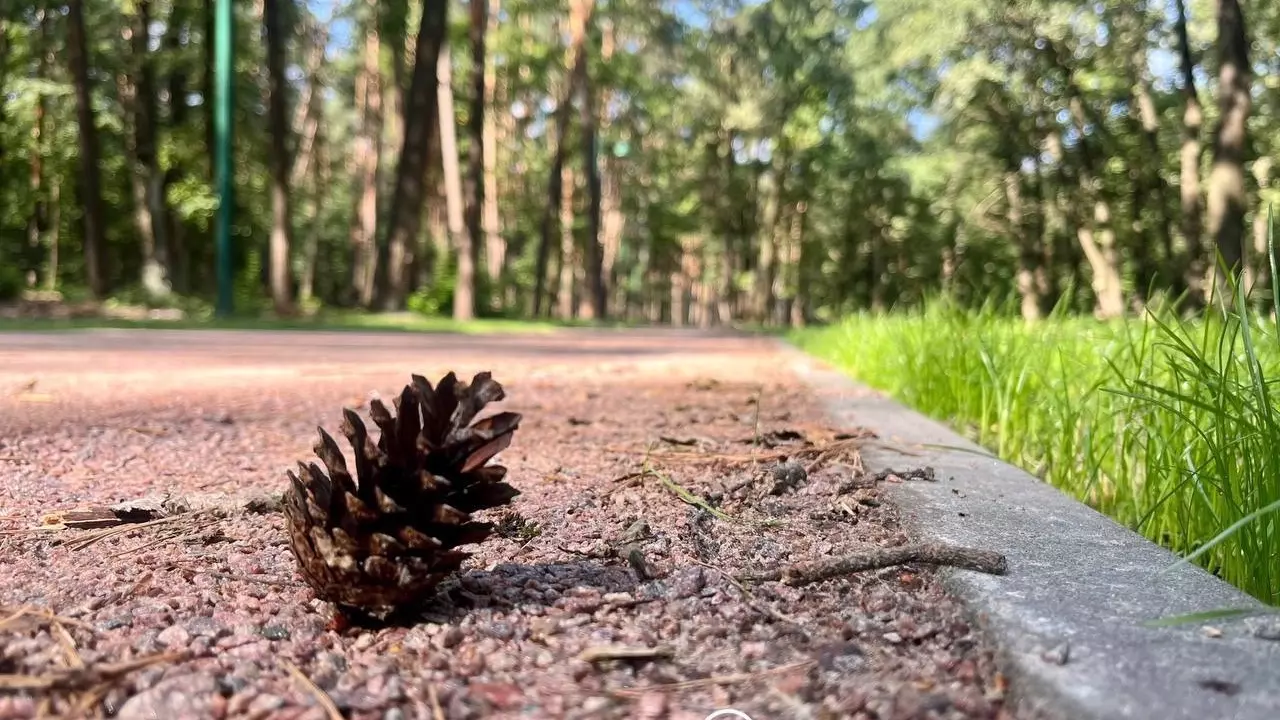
(617, 598)
(1211, 632)
(1058, 655)
(544, 627)
(181, 696)
(115, 623)
(501, 662)
(892, 637)
(364, 642)
(499, 630)
(265, 703)
(595, 705)
(753, 650)
(688, 582)
(1267, 631)
(207, 627)
(451, 637)
(275, 632)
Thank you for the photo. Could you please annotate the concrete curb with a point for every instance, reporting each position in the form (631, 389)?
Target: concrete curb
(1076, 580)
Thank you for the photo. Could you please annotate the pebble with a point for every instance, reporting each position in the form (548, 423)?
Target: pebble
(893, 637)
(499, 630)
(181, 696)
(174, 636)
(595, 704)
(617, 598)
(207, 627)
(364, 642)
(451, 637)
(277, 632)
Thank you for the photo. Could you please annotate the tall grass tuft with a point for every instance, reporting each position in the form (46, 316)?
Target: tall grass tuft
(1167, 425)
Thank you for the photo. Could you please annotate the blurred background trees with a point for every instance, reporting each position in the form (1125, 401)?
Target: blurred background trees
(701, 162)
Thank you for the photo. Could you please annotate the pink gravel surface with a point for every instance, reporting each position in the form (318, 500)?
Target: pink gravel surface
(102, 417)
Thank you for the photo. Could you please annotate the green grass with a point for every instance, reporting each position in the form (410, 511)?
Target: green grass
(1168, 426)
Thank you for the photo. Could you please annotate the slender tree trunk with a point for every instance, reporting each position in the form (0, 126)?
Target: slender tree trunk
(1226, 180)
(368, 156)
(564, 301)
(137, 91)
(594, 256)
(495, 246)
(1257, 266)
(1194, 268)
(1027, 257)
(55, 234)
(773, 182)
(464, 302)
(306, 123)
(463, 310)
(281, 162)
(178, 26)
(90, 172)
(37, 221)
(410, 188)
(1099, 243)
(575, 56)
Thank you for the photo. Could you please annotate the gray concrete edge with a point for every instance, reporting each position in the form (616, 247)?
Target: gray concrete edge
(1076, 580)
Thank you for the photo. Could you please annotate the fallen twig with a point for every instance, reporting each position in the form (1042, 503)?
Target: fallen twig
(600, 653)
(321, 696)
(79, 678)
(437, 712)
(41, 616)
(804, 573)
(717, 680)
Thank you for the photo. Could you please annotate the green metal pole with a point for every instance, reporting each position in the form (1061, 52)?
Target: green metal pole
(224, 58)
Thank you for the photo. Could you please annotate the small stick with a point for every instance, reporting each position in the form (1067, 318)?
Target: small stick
(623, 652)
(321, 697)
(437, 712)
(71, 679)
(804, 573)
(717, 680)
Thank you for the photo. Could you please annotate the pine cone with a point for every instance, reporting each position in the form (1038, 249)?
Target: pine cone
(381, 543)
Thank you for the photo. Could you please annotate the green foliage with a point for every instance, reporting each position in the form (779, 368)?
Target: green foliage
(1167, 425)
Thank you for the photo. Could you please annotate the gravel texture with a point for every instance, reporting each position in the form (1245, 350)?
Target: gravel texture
(584, 561)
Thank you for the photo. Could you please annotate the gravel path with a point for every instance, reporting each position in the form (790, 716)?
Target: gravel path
(103, 417)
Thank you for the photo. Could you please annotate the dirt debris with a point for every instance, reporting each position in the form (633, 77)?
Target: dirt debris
(514, 635)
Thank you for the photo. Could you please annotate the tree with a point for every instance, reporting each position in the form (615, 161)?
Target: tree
(1193, 274)
(281, 162)
(90, 179)
(459, 238)
(410, 181)
(1227, 179)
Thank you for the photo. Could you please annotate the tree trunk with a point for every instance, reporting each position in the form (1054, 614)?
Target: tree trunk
(575, 56)
(281, 163)
(464, 303)
(138, 92)
(495, 247)
(772, 180)
(38, 220)
(594, 256)
(1226, 180)
(1257, 267)
(475, 152)
(368, 155)
(310, 109)
(564, 300)
(410, 188)
(90, 173)
(55, 233)
(207, 80)
(1099, 242)
(178, 25)
(1194, 268)
(1027, 257)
